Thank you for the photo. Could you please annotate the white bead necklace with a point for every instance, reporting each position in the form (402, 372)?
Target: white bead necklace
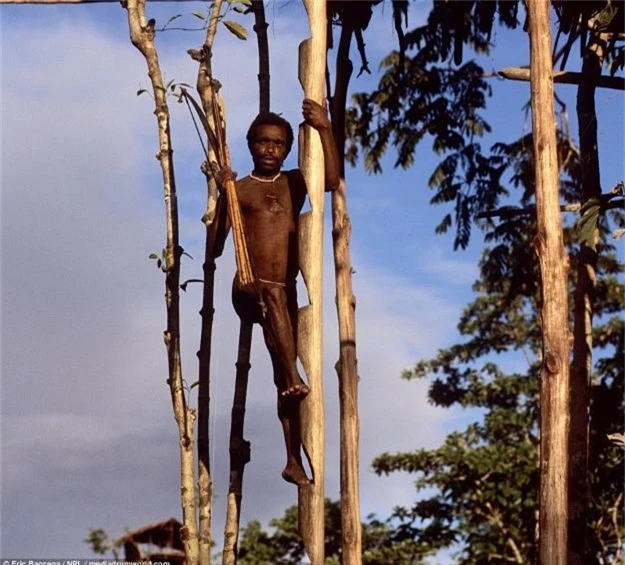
(274, 179)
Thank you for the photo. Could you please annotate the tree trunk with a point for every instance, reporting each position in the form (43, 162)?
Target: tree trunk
(213, 218)
(239, 447)
(554, 375)
(142, 37)
(260, 27)
(205, 484)
(581, 369)
(310, 325)
(347, 365)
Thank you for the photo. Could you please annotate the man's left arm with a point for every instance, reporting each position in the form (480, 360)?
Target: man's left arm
(316, 116)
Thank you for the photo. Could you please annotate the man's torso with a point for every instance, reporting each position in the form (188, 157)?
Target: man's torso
(271, 211)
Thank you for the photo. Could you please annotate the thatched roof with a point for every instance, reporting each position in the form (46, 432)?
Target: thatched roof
(162, 534)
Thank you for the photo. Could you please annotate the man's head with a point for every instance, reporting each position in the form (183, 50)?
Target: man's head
(269, 139)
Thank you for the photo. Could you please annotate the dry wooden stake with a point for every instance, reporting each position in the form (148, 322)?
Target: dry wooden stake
(553, 260)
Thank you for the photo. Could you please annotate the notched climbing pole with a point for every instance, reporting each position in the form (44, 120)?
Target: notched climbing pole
(312, 63)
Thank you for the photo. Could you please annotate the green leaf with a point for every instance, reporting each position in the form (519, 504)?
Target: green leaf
(141, 91)
(199, 15)
(236, 28)
(172, 19)
(586, 225)
(153, 256)
(444, 225)
(606, 15)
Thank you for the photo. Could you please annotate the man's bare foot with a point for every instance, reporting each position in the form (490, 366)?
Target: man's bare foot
(294, 473)
(299, 390)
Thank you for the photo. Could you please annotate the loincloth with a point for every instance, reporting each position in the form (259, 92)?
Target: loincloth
(250, 306)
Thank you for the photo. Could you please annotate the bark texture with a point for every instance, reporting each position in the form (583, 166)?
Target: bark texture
(239, 447)
(554, 385)
(260, 27)
(205, 483)
(347, 365)
(312, 65)
(142, 37)
(567, 77)
(581, 368)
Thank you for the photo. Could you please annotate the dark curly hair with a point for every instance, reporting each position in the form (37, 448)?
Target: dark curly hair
(270, 119)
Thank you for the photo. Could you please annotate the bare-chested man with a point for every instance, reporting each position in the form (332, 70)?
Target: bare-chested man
(271, 201)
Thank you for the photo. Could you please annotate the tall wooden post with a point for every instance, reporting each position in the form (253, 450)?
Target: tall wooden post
(581, 368)
(554, 374)
(347, 365)
(239, 446)
(212, 249)
(142, 35)
(312, 65)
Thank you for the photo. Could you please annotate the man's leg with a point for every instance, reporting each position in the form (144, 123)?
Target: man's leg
(280, 339)
(288, 412)
(247, 307)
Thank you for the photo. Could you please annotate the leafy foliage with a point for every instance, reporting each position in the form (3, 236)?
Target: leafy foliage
(423, 94)
(99, 542)
(432, 94)
(479, 489)
(384, 543)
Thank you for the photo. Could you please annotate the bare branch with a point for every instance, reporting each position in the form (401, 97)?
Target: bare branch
(564, 77)
(511, 211)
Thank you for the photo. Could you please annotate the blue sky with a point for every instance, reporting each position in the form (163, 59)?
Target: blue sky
(88, 437)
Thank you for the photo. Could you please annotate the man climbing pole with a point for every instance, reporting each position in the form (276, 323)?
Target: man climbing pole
(270, 202)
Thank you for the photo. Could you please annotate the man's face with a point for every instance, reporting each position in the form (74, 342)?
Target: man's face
(268, 149)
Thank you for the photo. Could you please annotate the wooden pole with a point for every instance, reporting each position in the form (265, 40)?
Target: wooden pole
(583, 306)
(347, 365)
(142, 37)
(260, 27)
(554, 374)
(205, 483)
(312, 65)
(239, 447)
